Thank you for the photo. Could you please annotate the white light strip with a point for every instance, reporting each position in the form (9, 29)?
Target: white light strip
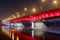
(32, 28)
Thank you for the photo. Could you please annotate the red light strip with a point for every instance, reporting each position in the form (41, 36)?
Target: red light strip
(40, 16)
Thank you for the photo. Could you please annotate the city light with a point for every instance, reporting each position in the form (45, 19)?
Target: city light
(25, 9)
(12, 36)
(13, 16)
(54, 1)
(17, 38)
(10, 17)
(18, 15)
(34, 10)
(43, 0)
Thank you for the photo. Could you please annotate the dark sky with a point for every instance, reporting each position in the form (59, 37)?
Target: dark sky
(9, 7)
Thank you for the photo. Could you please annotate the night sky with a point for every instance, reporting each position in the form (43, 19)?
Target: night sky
(9, 7)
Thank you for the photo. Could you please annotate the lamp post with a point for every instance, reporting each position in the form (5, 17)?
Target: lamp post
(42, 7)
(11, 18)
(55, 3)
(25, 9)
(14, 16)
(18, 15)
(43, 0)
(33, 10)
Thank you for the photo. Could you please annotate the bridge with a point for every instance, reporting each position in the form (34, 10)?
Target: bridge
(32, 18)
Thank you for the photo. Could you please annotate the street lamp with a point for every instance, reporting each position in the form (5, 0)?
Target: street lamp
(55, 3)
(43, 0)
(3, 20)
(25, 9)
(18, 15)
(34, 10)
(10, 17)
(13, 16)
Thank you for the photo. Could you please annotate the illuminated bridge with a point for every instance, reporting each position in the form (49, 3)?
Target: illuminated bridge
(49, 19)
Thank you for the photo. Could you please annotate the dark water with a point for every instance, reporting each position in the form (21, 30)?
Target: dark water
(52, 36)
(48, 36)
(3, 36)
